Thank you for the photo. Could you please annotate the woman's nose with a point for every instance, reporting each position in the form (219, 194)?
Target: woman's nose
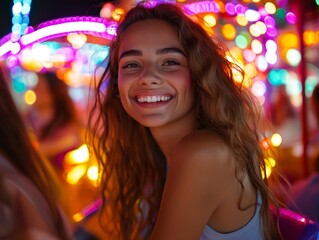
(150, 76)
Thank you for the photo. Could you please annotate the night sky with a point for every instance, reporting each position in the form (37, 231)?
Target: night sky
(44, 10)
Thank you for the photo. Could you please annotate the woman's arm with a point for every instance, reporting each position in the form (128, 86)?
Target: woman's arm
(198, 180)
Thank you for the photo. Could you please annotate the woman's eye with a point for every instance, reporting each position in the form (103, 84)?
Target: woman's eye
(170, 63)
(130, 65)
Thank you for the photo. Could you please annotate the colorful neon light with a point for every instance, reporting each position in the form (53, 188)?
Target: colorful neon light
(95, 26)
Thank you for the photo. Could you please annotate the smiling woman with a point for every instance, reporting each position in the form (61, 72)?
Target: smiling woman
(154, 67)
(179, 145)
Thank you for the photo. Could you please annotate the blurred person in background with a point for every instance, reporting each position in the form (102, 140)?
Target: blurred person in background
(304, 195)
(28, 201)
(54, 119)
(58, 128)
(285, 121)
(285, 117)
(313, 143)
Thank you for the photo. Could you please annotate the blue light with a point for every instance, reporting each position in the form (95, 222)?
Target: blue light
(20, 19)
(17, 8)
(26, 9)
(16, 19)
(277, 76)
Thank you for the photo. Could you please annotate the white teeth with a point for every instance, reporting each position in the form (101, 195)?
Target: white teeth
(153, 99)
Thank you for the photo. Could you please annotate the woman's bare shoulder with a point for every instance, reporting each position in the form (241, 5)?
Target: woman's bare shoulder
(202, 147)
(202, 173)
(204, 157)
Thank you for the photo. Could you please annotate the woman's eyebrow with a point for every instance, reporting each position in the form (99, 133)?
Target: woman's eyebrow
(170, 50)
(131, 53)
(134, 52)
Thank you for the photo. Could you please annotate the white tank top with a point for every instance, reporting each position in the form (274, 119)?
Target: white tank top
(251, 231)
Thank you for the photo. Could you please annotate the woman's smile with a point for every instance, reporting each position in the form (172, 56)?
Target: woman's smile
(152, 99)
(153, 75)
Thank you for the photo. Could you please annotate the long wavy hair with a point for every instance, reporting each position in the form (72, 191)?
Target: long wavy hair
(134, 168)
(18, 149)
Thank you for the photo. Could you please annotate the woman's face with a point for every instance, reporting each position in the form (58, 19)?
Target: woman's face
(153, 78)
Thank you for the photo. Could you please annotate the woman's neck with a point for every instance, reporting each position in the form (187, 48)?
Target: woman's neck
(169, 135)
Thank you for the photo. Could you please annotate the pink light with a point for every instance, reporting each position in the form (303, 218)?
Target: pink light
(271, 31)
(269, 21)
(240, 9)
(291, 18)
(263, 12)
(12, 61)
(92, 207)
(95, 26)
(249, 55)
(282, 3)
(230, 9)
(201, 7)
(63, 26)
(291, 214)
(5, 48)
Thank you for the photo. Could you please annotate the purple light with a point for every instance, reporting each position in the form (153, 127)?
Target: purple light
(63, 26)
(269, 21)
(291, 214)
(271, 31)
(201, 7)
(149, 4)
(291, 18)
(91, 208)
(249, 55)
(153, 3)
(282, 3)
(230, 8)
(29, 29)
(94, 26)
(67, 52)
(263, 12)
(5, 47)
(12, 61)
(240, 9)
(15, 36)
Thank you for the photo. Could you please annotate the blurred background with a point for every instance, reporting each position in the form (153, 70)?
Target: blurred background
(276, 42)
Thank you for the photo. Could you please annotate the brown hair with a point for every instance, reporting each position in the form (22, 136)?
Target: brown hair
(19, 150)
(134, 168)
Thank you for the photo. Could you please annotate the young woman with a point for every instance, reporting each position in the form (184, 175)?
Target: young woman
(179, 144)
(28, 205)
